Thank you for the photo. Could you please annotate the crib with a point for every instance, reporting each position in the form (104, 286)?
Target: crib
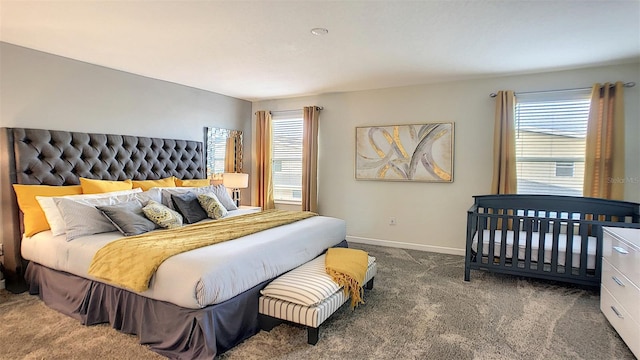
(543, 236)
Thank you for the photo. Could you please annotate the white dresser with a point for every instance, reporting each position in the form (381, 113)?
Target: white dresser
(620, 290)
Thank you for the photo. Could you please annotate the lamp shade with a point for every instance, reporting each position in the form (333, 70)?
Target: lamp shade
(235, 180)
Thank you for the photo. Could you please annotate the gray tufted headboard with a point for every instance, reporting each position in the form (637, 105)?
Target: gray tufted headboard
(51, 157)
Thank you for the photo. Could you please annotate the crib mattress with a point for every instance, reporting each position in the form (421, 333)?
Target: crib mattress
(574, 252)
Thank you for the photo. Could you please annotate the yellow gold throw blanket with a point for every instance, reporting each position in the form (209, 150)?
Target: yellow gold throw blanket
(348, 268)
(130, 262)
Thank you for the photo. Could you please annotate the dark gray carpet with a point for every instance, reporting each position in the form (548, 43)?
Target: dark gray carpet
(420, 308)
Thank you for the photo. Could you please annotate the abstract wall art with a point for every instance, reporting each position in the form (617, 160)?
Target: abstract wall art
(420, 152)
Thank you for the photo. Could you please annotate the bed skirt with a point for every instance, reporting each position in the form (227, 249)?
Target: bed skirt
(168, 329)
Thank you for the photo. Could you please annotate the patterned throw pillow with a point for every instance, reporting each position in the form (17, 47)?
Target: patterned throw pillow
(212, 206)
(162, 215)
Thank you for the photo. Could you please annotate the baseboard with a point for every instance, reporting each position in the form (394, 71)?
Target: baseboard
(405, 245)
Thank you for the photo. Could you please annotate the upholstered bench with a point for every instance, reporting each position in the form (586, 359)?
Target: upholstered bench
(305, 295)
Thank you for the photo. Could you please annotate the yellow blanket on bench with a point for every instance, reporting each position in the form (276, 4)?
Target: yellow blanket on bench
(130, 262)
(348, 268)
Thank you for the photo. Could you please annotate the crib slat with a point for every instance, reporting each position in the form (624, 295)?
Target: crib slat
(544, 225)
(493, 224)
(584, 241)
(482, 225)
(568, 264)
(515, 252)
(503, 237)
(555, 244)
(527, 246)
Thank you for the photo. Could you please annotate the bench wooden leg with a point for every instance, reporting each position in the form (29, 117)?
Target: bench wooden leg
(267, 322)
(369, 284)
(312, 335)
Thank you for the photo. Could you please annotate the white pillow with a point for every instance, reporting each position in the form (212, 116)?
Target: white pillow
(53, 216)
(223, 196)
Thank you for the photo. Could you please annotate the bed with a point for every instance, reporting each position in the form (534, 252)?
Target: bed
(543, 236)
(192, 309)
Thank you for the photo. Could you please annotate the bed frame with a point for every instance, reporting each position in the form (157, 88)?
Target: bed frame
(48, 157)
(555, 216)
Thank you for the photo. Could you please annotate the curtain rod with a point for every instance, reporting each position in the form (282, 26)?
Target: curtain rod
(629, 84)
(319, 108)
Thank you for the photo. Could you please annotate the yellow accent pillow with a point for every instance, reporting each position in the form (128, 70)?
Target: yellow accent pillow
(33, 216)
(91, 186)
(193, 182)
(148, 184)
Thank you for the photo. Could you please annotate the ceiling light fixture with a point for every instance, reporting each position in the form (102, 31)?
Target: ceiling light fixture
(319, 31)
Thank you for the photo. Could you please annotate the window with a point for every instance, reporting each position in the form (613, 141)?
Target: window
(287, 157)
(551, 133)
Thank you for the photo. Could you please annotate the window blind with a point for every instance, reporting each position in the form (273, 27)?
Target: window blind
(287, 158)
(551, 133)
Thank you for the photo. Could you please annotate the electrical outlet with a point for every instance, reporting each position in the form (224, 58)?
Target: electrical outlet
(392, 220)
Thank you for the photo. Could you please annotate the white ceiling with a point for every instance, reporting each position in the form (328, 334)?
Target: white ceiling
(264, 49)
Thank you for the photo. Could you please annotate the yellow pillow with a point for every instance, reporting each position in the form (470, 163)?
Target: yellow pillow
(148, 184)
(33, 216)
(193, 182)
(91, 186)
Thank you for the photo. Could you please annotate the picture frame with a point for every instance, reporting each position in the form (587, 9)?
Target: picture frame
(414, 152)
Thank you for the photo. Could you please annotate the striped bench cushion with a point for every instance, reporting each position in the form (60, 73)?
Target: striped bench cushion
(307, 285)
(299, 314)
(309, 316)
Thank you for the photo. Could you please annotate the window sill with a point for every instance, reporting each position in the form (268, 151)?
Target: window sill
(288, 202)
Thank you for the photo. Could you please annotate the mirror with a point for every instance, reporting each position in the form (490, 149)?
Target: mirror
(224, 152)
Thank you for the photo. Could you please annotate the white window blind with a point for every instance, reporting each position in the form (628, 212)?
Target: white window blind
(551, 131)
(287, 157)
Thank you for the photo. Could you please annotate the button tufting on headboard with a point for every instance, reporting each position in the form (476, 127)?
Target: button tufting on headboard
(41, 154)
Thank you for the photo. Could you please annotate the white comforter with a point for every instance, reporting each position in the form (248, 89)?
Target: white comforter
(208, 275)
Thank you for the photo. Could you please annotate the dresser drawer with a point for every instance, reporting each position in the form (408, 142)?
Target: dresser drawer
(623, 255)
(625, 292)
(628, 329)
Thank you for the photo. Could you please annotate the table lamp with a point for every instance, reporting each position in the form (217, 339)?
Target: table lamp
(235, 182)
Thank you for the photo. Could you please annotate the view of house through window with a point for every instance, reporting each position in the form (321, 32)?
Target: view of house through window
(287, 157)
(551, 133)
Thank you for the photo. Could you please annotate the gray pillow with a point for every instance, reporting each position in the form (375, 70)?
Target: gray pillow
(218, 190)
(128, 218)
(82, 219)
(188, 205)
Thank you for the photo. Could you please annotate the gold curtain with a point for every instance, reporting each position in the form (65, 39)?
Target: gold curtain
(505, 180)
(263, 192)
(310, 158)
(604, 156)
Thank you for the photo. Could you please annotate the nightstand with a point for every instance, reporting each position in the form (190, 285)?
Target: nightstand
(620, 291)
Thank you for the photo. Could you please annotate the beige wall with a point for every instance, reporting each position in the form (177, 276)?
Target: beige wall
(40, 90)
(432, 216)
